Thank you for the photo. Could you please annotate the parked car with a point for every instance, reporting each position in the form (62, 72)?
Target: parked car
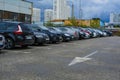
(67, 31)
(40, 37)
(75, 32)
(80, 33)
(16, 33)
(86, 30)
(109, 33)
(100, 33)
(65, 36)
(2, 42)
(54, 36)
(86, 34)
(94, 33)
(59, 35)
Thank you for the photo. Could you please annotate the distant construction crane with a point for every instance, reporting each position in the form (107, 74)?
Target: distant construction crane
(80, 9)
(80, 12)
(72, 10)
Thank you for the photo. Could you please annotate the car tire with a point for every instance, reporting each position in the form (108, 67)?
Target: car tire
(61, 39)
(9, 43)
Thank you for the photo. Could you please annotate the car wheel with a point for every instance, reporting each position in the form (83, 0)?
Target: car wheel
(61, 40)
(9, 43)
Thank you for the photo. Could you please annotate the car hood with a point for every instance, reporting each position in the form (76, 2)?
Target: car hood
(39, 33)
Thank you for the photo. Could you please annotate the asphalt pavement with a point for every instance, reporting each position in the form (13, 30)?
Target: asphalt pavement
(91, 59)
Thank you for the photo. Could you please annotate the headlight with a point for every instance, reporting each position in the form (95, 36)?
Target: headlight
(51, 35)
(39, 36)
(81, 33)
(66, 34)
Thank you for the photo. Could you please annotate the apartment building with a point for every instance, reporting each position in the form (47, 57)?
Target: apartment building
(61, 10)
(114, 18)
(48, 15)
(36, 15)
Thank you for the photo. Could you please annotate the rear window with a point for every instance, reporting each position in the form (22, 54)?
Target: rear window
(12, 26)
(25, 27)
(2, 26)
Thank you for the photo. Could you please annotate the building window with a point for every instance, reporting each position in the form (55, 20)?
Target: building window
(15, 16)
(27, 18)
(22, 17)
(1, 15)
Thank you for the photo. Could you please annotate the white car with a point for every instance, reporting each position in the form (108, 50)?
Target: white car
(2, 42)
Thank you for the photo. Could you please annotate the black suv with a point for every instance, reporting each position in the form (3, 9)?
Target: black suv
(54, 36)
(40, 37)
(16, 33)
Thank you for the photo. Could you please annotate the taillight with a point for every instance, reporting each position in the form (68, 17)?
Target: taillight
(19, 31)
(88, 32)
(75, 33)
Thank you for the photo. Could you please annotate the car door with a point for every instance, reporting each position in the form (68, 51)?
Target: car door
(3, 27)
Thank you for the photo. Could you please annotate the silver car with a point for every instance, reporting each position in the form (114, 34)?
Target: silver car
(2, 42)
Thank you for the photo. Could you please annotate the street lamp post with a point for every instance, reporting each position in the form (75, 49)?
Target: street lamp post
(80, 11)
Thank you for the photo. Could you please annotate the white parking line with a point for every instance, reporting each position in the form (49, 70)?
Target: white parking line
(81, 59)
(26, 52)
(20, 52)
(49, 48)
(16, 51)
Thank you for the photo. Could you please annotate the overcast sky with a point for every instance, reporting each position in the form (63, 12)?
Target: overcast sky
(91, 8)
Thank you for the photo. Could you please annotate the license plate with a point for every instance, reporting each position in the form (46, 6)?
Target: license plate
(68, 38)
(47, 38)
(60, 37)
(72, 37)
(1, 45)
(28, 37)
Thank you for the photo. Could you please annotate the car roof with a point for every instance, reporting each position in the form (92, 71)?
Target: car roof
(14, 22)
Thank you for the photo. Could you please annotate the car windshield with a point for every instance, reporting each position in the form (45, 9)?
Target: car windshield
(57, 29)
(35, 27)
(63, 29)
(51, 30)
(43, 27)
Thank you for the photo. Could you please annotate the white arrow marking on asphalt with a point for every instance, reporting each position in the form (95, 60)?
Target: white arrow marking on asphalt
(81, 59)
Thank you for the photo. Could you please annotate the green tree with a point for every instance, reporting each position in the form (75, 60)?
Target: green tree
(73, 21)
(95, 23)
(48, 24)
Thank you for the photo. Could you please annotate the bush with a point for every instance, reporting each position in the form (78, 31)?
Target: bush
(116, 33)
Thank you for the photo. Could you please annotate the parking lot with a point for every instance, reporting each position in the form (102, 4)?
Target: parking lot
(91, 59)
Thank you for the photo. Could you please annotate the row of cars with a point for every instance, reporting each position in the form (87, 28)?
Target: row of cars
(21, 34)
